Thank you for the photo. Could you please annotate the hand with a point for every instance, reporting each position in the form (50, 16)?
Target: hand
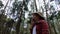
(32, 23)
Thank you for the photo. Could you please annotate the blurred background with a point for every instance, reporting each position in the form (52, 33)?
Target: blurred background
(15, 15)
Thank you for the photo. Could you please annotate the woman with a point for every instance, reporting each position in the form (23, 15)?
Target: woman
(38, 24)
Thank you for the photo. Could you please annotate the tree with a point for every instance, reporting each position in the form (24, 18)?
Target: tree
(19, 6)
(1, 5)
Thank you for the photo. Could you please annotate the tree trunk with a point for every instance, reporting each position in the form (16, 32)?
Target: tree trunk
(18, 23)
(5, 30)
(6, 6)
(35, 5)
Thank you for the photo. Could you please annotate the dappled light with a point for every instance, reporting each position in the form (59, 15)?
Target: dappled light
(16, 15)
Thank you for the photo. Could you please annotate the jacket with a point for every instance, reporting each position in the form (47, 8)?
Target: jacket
(41, 27)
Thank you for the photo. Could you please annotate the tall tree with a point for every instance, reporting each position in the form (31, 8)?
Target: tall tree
(20, 7)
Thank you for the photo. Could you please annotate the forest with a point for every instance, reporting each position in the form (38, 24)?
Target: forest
(15, 15)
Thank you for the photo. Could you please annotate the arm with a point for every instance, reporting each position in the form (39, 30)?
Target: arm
(45, 27)
(42, 28)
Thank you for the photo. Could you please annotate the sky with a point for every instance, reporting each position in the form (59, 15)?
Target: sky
(4, 2)
(38, 2)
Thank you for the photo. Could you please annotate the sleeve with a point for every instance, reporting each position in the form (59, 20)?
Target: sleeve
(43, 28)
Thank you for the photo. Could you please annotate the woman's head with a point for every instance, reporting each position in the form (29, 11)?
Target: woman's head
(36, 16)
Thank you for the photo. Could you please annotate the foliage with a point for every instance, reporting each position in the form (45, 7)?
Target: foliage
(16, 24)
(1, 5)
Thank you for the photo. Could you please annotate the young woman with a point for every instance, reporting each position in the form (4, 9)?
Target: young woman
(38, 24)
